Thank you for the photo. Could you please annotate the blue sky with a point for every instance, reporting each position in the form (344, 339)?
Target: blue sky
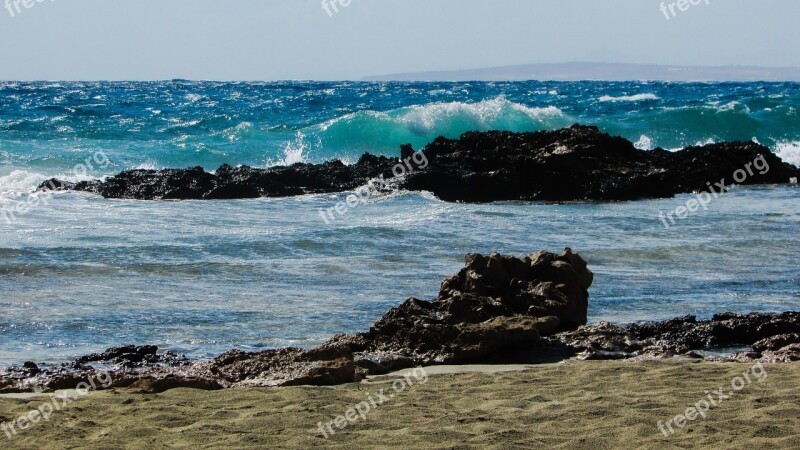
(297, 39)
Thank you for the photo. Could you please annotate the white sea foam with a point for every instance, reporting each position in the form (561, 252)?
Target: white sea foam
(484, 114)
(147, 165)
(644, 143)
(20, 183)
(708, 141)
(789, 152)
(629, 98)
(192, 98)
(236, 133)
(294, 152)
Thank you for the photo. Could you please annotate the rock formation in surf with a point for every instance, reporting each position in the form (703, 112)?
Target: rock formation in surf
(576, 163)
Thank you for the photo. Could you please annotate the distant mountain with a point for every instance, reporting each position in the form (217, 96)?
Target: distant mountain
(576, 71)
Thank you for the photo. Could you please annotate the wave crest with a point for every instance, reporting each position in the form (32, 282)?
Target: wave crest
(629, 98)
(377, 131)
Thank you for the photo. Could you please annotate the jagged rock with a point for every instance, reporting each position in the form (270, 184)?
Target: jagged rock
(687, 333)
(539, 285)
(789, 353)
(234, 182)
(600, 341)
(282, 367)
(776, 342)
(31, 367)
(495, 304)
(574, 163)
(132, 356)
(683, 335)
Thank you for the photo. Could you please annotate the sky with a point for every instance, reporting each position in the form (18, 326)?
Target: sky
(298, 39)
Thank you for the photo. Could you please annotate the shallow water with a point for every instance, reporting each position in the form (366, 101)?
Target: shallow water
(83, 273)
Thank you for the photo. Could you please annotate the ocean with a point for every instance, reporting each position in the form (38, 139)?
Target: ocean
(79, 273)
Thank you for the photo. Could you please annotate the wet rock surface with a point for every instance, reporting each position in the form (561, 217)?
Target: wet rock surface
(576, 163)
(133, 356)
(497, 309)
(684, 336)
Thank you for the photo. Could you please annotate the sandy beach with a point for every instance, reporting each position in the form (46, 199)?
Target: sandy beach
(574, 405)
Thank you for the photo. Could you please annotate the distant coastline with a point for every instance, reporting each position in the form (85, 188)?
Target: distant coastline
(585, 71)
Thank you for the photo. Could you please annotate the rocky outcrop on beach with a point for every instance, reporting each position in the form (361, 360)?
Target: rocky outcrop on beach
(322, 366)
(576, 163)
(129, 366)
(684, 336)
(495, 304)
(497, 309)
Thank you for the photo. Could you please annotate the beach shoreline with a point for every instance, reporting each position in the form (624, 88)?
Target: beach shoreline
(497, 309)
(586, 404)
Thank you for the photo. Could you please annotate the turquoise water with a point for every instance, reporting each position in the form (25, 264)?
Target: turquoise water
(80, 273)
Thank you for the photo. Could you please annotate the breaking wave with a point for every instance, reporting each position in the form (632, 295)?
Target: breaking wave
(629, 98)
(418, 125)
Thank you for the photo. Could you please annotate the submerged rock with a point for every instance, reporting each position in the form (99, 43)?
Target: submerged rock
(576, 163)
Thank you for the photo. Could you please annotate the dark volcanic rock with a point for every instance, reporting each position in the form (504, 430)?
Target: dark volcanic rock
(576, 163)
(721, 331)
(124, 365)
(778, 342)
(789, 353)
(31, 367)
(133, 356)
(569, 164)
(235, 182)
(283, 367)
(600, 341)
(683, 335)
(542, 284)
(495, 304)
